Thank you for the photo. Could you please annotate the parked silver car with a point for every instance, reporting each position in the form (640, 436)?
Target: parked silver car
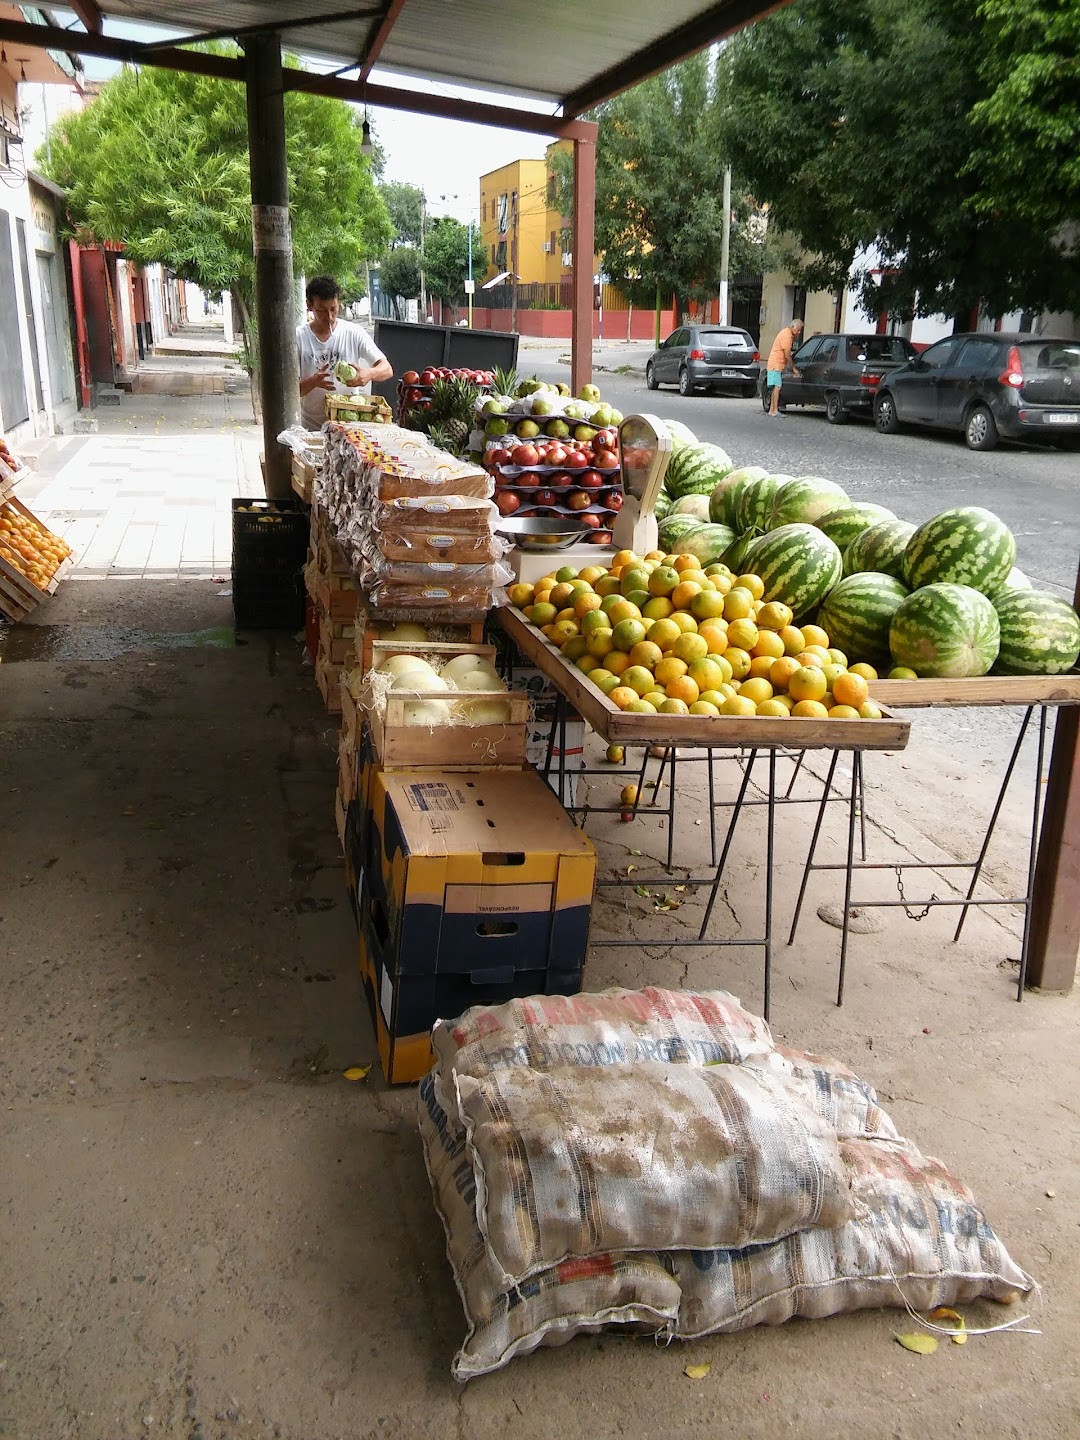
(713, 357)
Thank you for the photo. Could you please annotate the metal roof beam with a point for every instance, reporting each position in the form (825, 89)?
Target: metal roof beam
(714, 24)
(89, 13)
(110, 47)
(266, 27)
(382, 34)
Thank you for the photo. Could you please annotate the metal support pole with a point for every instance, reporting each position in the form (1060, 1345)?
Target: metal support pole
(856, 780)
(272, 238)
(584, 223)
(725, 248)
(1033, 856)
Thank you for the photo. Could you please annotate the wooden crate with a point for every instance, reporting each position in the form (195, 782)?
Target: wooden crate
(369, 633)
(18, 594)
(445, 747)
(350, 715)
(335, 638)
(348, 765)
(303, 478)
(327, 678)
(980, 690)
(718, 731)
(368, 407)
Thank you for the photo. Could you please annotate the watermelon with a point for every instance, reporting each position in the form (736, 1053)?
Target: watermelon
(798, 565)
(670, 528)
(680, 434)
(707, 542)
(1015, 580)
(755, 505)
(843, 524)
(964, 546)
(802, 501)
(662, 505)
(734, 557)
(696, 469)
(721, 507)
(696, 505)
(946, 631)
(881, 549)
(857, 613)
(1040, 634)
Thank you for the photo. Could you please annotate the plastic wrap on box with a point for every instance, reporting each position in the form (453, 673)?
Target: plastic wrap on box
(463, 514)
(423, 544)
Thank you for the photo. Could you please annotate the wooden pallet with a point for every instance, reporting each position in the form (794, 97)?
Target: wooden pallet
(980, 690)
(735, 731)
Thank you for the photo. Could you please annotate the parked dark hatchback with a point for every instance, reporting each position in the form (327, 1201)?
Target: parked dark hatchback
(984, 386)
(719, 357)
(842, 372)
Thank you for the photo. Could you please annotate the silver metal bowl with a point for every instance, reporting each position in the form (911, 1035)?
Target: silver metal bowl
(551, 532)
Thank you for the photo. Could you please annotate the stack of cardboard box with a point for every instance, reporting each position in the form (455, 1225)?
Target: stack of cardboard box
(334, 599)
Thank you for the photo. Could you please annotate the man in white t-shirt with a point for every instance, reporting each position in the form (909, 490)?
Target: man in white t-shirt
(323, 342)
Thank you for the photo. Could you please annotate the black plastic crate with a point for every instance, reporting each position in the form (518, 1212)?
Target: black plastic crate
(269, 602)
(269, 537)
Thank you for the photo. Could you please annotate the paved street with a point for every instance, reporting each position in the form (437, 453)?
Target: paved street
(1036, 492)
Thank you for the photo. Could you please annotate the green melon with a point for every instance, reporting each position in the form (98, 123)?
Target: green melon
(1015, 580)
(662, 505)
(696, 468)
(707, 542)
(798, 565)
(725, 495)
(680, 434)
(1040, 634)
(755, 505)
(670, 528)
(857, 614)
(804, 500)
(696, 505)
(945, 631)
(843, 524)
(880, 549)
(963, 546)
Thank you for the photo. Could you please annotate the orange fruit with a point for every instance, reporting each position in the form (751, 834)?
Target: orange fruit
(690, 647)
(673, 706)
(594, 620)
(607, 585)
(761, 665)
(616, 661)
(658, 608)
(684, 593)
(646, 653)
(704, 707)
(738, 604)
(807, 683)
(683, 689)
(815, 635)
(866, 671)
(785, 700)
(753, 583)
(738, 705)
(655, 698)
(768, 644)
(521, 595)
(628, 633)
(850, 690)
(843, 712)
(599, 643)
(739, 661)
(838, 657)
(812, 658)
(604, 680)
(561, 593)
(567, 613)
(575, 648)
(621, 558)
(663, 632)
(715, 638)
(792, 636)
(743, 634)
(585, 663)
(662, 581)
(810, 710)
(774, 616)
(758, 690)
(774, 708)
(622, 695)
(640, 706)
(868, 710)
(685, 562)
(706, 605)
(622, 609)
(724, 666)
(670, 668)
(685, 621)
(638, 679)
(586, 602)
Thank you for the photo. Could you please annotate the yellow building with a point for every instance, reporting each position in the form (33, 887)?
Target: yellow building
(521, 233)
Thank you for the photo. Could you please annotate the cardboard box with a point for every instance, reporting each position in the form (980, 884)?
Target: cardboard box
(340, 807)
(532, 682)
(476, 888)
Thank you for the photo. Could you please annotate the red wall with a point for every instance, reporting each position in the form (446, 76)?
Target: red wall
(555, 324)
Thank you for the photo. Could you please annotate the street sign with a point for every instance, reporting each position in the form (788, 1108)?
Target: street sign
(470, 287)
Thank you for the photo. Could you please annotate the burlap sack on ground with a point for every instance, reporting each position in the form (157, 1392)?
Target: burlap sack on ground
(579, 1161)
(918, 1236)
(836, 1093)
(635, 1292)
(612, 1027)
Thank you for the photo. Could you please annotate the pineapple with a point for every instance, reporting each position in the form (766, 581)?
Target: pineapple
(506, 382)
(452, 403)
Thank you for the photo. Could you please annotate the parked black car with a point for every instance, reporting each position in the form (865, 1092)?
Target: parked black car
(985, 386)
(842, 372)
(717, 357)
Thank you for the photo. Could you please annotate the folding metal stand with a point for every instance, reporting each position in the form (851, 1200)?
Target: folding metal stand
(851, 865)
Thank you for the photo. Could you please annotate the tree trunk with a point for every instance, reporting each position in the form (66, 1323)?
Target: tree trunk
(250, 352)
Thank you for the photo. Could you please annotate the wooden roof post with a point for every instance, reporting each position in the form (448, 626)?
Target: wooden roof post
(272, 238)
(1055, 916)
(584, 223)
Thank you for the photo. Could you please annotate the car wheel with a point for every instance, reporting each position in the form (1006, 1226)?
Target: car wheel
(980, 432)
(834, 409)
(650, 377)
(686, 386)
(749, 391)
(885, 417)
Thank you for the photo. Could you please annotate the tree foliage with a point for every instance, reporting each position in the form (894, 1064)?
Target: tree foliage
(446, 257)
(405, 205)
(399, 273)
(855, 123)
(660, 161)
(159, 162)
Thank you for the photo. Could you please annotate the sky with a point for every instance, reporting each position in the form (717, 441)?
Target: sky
(444, 157)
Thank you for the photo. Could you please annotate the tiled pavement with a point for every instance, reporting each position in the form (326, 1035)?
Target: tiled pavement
(151, 497)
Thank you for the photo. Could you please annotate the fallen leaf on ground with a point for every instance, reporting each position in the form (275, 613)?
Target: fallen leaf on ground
(953, 1318)
(697, 1372)
(630, 869)
(919, 1343)
(356, 1072)
(642, 891)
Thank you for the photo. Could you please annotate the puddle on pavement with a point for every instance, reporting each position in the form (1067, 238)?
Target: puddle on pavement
(102, 642)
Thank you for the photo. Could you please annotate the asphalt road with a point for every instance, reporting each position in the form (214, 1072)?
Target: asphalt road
(1036, 492)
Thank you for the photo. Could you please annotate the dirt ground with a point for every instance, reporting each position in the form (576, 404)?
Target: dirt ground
(206, 1233)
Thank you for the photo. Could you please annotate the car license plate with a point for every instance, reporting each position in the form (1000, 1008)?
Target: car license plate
(731, 374)
(1063, 418)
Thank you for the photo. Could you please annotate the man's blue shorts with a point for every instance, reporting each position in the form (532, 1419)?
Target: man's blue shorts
(774, 377)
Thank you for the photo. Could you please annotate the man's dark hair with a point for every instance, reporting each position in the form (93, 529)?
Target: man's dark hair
(322, 287)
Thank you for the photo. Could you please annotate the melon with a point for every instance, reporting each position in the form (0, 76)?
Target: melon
(662, 505)
(696, 505)
(707, 542)
(804, 500)
(963, 546)
(681, 435)
(1040, 634)
(857, 614)
(670, 528)
(880, 549)
(1015, 580)
(798, 565)
(725, 495)
(696, 469)
(946, 631)
(843, 524)
(755, 505)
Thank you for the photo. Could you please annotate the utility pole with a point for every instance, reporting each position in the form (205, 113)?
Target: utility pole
(513, 260)
(471, 281)
(725, 248)
(423, 284)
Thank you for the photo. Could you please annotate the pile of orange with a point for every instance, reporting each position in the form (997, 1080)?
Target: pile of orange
(28, 547)
(657, 633)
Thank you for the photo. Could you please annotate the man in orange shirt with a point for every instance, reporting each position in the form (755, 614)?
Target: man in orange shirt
(779, 360)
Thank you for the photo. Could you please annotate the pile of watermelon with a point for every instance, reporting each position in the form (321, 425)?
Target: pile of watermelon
(943, 599)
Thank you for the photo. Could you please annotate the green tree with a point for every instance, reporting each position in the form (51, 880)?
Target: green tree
(853, 122)
(399, 273)
(159, 162)
(405, 204)
(660, 161)
(446, 258)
